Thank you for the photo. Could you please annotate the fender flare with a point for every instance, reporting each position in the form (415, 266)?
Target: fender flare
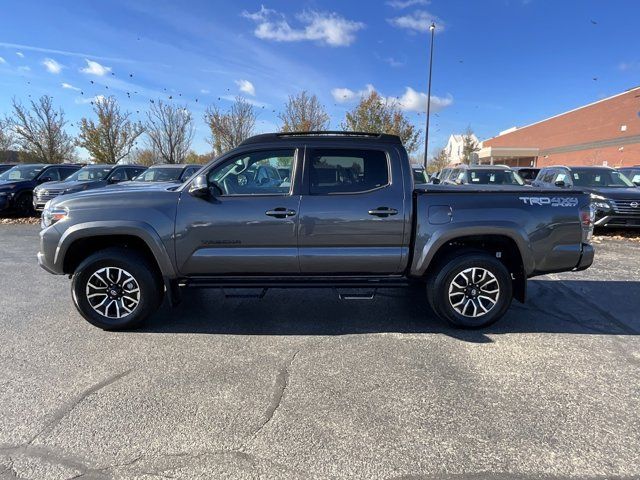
(142, 230)
(424, 258)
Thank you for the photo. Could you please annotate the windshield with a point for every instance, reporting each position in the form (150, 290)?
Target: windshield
(494, 177)
(632, 174)
(87, 174)
(596, 177)
(159, 175)
(21, 172)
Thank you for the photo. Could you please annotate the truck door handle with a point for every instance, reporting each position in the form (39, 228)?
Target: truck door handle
(280, 212)
(383, 212)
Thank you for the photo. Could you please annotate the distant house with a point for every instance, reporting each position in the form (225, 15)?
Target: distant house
(455, 147)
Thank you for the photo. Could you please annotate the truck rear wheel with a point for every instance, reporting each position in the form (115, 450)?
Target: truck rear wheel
(470, 291)
(116, 289)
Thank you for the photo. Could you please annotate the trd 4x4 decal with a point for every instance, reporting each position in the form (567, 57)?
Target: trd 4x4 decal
(553, 201)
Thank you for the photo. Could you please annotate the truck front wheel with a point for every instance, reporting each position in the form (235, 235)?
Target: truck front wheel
(470, 291)
(116, 289)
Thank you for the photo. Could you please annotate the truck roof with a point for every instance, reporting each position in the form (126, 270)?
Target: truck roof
(322, 136)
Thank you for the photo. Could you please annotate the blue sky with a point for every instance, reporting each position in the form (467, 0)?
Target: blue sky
(498, 63)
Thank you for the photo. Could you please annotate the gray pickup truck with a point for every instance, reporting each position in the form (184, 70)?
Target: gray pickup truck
(327, 209)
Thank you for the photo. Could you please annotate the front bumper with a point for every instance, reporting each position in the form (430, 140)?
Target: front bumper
(49, 239)
(612, 220)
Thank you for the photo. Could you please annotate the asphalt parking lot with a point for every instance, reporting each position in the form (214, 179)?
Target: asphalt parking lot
(302, 385)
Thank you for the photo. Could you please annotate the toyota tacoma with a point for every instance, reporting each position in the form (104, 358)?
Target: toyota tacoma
(346, 214)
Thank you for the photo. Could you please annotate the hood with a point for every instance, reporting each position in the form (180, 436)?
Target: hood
(625, 193)
(133, 183)
(15, 182)
(71, 187)
(117, 197)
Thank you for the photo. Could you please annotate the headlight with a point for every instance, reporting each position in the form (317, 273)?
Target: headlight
(600, 202)
(53, 215)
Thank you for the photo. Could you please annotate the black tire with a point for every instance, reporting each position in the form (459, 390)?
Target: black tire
(23, 206)
(117, 259)
(457, 268)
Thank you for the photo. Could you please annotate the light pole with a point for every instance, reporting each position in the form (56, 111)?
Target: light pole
(432, 29)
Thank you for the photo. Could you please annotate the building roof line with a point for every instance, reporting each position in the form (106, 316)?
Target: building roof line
(569, 111)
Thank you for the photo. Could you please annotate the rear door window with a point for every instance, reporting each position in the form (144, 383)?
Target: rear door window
(347, 171)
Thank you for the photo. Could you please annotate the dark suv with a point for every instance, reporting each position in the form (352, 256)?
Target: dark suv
(89, 177)
(18, 183)
(615, 198)
(632, 173)
(528, 174)
(484, 175)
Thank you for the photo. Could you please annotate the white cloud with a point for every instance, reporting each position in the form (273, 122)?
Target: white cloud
(68, 86)
(401, 4)
(246, 86)
(2, 60)
(20, 54)
(410, 101)
(343, 95)
(326, 28)
(393, 62)
(52, 66)
(24, 68)
(418, 21)
(96, 99)
(94, 68)
(205, 91)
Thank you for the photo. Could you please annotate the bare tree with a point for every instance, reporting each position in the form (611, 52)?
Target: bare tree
(377, 115)
(170, 130)
(304, 113)
(7, 138)
(40, 130)
(112, 138)
(144, 157)
(230, 129)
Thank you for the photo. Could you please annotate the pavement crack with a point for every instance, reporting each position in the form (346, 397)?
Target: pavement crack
(69, 406)
(279, 390)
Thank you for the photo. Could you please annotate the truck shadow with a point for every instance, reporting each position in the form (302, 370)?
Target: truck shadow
(576, 307)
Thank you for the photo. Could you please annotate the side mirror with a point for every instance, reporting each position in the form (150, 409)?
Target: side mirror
(436, 181)
(560, 183)
(200, 187)
(115, 180)
(45, 179)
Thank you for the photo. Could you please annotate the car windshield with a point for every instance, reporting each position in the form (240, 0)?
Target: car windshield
(21, 172)
(632, 174)
(87, 174)
(599, 177)
(494, 177)
(528, 173)
(159, 175)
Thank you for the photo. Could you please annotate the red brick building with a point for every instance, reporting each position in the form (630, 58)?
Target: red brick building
(606, 132)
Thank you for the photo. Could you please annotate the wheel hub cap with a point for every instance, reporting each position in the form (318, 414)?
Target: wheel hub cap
(113, 292)
(474, 292)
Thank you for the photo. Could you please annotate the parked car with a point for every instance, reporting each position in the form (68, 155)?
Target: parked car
(632, 173)
(528, 174)
(350, 217)
(87, 178)
(18, 183)
(441, 176)
(176, 173)
(615, 199)
(484, 175)
(6, 166)
(419, 175)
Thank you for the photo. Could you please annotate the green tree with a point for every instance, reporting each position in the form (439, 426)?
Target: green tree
(377, 115)
(113, 136)
(469, 146)
(40, 131)
(304, 113)
(440, 161)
